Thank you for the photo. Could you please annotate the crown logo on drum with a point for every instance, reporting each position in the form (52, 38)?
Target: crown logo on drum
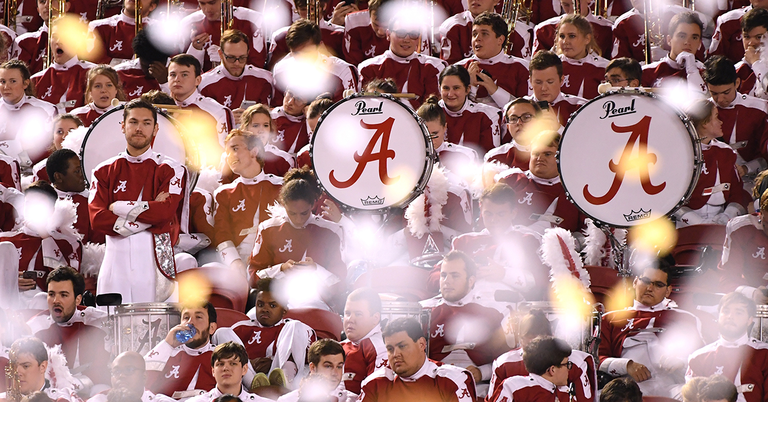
(637, 215)
(372, 201)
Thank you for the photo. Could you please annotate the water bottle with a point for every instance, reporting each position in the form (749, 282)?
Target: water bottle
(184, 336)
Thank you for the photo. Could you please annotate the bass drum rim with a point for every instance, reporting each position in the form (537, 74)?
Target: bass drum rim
(695, 143)
(429, 160)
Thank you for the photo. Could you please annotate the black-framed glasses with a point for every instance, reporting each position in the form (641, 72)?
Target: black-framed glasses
(403, 33)
(525, 118)
(615, 80)
(568, 365)
(130, 370)
(656, 284)
(233, 59)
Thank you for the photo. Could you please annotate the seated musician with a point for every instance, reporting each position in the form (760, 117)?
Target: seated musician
(736, 355)
(623, 389)
(456, 31)
(517, 152)
(547, 361)
(410, 375)
(332, 35)
(545, 32)
(582, 377)
(650, 340)
(62, 125)
(314, 110)
(229, 363)
(129, 374)
(102, 86)
(365, 33)
(719, 194)
(258, 120)
(457, 159)
(31, 44)
(462, 332)
(147, 71)
(290, 133)
(324, 383)
(623, 72)
(79, 332)
(578, 49)
(34, 369)
(364, 346)
(243, 204)
(181, 370)
(751, 68)
(743, 259)
(115, 33)
(546, 77)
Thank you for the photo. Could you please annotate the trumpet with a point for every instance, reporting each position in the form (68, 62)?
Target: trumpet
(137, 16)
(601, 8)
(53, 16)
(227, 15)
(653, 29)
(10, 9)
(513, 11)
(314, 11)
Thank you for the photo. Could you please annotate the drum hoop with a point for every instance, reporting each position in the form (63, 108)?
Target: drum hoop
(429, 161)
(142, 308)
(695, 142)
(192, 166)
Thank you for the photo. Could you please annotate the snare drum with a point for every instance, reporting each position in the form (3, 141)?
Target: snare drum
(140, 326)
(579, 332)
(760, 328)
(393, 309)
(627, 157)
(371, 153)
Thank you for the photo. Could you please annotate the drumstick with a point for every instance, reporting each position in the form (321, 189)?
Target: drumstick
(349, 92)
(173, 109)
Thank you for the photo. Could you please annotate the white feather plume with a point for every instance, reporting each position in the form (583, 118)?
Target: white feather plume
(553, 255)
(486, 177)
(74, 139)
(594, 247)
(64, 217)
(276, 210)
(93, 255)
(435, 195)
(58, 373)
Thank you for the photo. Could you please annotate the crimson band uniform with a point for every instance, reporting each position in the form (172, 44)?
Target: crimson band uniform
(338, 76)
(508, 72)
(31, 47)
(63, 85)
(9, 35)
(456, 37)
(219, 116)
(654, 74)
(138, 225)
(147, 396)
(246, 20)
(212, 395)
(259, 341)
(89, 113)
(456, 158)
(360, 41)
(744, 361)
(291, 131)
(416, 73)
(331, 35)
(82, 223)
(254, 85)
(10, 189)
(363, 358)
(135, 83)
(180, 369)
(433, 382)
(629, 36)
(749, 82)
(544, 34)
(582, 376)
(276, 161)
(564, 105)
(745, 129)
(475, 124)
(116, 35)
(743, 261)
(16, 121)
(727, 37)
(511, 155)
(240, 207)
(28, 19)
(581, 77)
(531, 388)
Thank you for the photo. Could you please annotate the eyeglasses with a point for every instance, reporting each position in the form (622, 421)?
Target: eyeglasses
(233, 59)
(525, 118)
(567, 364)
(615, 80)
(403, 33)
(656, 284)
(130, 370)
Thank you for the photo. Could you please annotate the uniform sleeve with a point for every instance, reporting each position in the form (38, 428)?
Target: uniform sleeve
(733, 258)
(719, 43)
(609, 351)
(201, 210)
(222, 220)
(490, 135)
(352, 48)
(160, 212)
(262, 256)
(99, 199)
(9, 174)
(450, 46)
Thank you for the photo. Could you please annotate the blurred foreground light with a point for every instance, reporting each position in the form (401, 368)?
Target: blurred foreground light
(194, 289)
(656, 237)
(73, 35)
(167, 33)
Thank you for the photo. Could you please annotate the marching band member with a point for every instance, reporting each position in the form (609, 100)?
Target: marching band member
(229, 364)
(629, 34)
(102, 86)
(290, 123)
(314, 111)
(455, 158)
(365, 35)
(115, 34)
(545, 33)
(7, 36)
(39, 369)
(743, 259)
(726, 40)
(62, 126)
(242, 205)
(583, 68)
(327, 366)
(496, 77)
(546, 78)
(364, 346)
(332, 36)
(129, 374)
(234, 83)
(456, 31)
(30, 47)
(258, 121)
(134, 200)
(751, 68)
(147, 71)
(623, 72)
(469, 123)
(10, 192)
(719, 195)
(516, 153)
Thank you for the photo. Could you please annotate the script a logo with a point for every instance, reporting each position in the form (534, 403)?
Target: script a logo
(383, 130)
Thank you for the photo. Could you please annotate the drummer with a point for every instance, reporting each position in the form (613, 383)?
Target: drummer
(102, 87)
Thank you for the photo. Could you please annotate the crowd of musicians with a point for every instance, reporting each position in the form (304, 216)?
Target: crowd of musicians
(493, 83)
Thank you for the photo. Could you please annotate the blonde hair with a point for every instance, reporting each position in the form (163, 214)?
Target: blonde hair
(108, 72)
(247, 116)
(584, 27)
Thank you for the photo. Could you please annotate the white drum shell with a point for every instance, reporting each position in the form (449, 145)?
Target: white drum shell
(140, 326)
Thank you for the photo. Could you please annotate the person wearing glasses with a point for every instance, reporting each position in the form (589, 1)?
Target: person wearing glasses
(234, 83)
(547, 361)
(516, 153)
(412, 71)
(651, 340)
(623, 72)
(129, 374)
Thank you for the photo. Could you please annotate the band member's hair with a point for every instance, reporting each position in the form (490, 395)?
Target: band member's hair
(264, 284)
(717, 388)
(664, 263)
(738, 298)
(534, 324)
(582, 26)
(623, 389)
(300, 184)
(318, 107)
(267, 285)
(301, 32)
(631, 67)
(431, 110)
(139, 103)
(324, 347)
(43, 187)
(409, 325)
(25, 75)
(470, 268)
(158, 97)
(146, 50)
(500, 193)
(108, 72)
(247, 116)
(29, 345)
(212, 316)
(495, 22)
(381, 85)
(251, 142)
(700, 112)
(518, 101)
(756, 17)
(761, 185)
(458, 71)
(58, 162)
(687, 17)
(369, 296)
(375, 5)
(719, 70)
(67, 273)
(227, 398)
(544, 352)
(234, 36)
(227, 350)
(764, 203)
(187, 60)
(546, 138)
(544, 60)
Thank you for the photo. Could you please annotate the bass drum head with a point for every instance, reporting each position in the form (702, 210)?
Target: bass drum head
(371, 153)
(627, 158)
(104, 140)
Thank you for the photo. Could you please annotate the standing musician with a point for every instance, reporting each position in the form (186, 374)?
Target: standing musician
(147, 71)
(103, 85)
(135, 198)
(116, 33)
(583, 68)
(546, 70)
(456, 31)
(332, 36)
(629, 33)
(31, 47)
(545, 32)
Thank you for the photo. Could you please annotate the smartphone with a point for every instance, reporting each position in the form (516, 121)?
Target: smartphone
(349, 2)
(33, 274)
(544, 105)
(247, 104)
(487, 73)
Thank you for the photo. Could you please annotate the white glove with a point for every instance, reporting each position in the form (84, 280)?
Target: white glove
(686, 61)
(213, 53)
(721, 219)
(691, 218)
